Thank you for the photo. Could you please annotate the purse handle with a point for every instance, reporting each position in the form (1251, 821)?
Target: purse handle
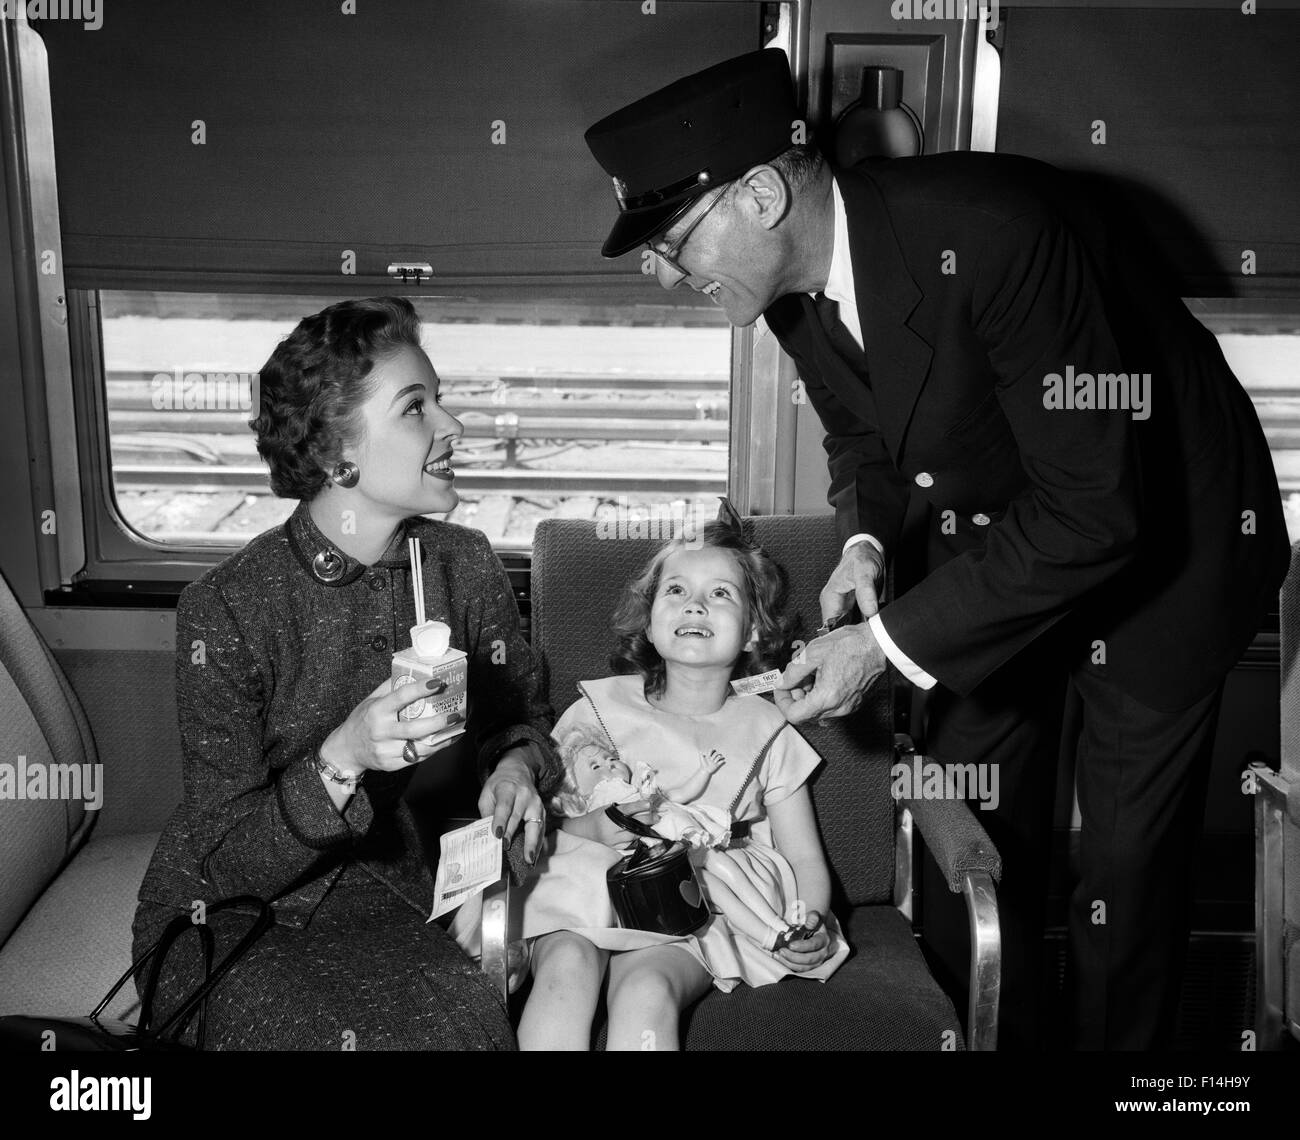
(630, 823)
(261, 923)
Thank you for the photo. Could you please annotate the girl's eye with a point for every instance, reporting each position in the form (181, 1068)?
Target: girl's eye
(722, 590)
(672, 589)
(415, 405)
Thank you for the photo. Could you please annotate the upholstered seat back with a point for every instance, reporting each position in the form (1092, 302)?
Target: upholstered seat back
(579, 572)
(45, 751)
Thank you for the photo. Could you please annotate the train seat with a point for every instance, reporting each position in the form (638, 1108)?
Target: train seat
(1277, 849)
(884, 996)
(69, 893)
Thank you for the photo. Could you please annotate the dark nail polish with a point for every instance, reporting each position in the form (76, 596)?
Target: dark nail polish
(501, 832)
(455, 718)
(436, 685)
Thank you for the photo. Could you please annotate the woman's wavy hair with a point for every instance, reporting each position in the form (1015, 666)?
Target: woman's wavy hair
(317, 379)
(766, 594)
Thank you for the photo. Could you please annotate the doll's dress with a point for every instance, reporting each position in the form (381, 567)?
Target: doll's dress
(569, 892)
(696, 823)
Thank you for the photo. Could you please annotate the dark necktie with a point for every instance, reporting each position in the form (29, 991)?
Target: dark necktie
(840, 337)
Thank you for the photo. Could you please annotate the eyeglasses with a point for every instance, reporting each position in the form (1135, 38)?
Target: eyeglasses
(668, 271)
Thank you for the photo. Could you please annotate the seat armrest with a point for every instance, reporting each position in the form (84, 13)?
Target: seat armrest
(494, 933)
(1272, 793)
(952, 833)
(971, 865)
(985, 961)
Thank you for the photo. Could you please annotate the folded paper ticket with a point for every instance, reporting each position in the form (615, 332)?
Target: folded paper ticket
(762, 683)
(470, 860)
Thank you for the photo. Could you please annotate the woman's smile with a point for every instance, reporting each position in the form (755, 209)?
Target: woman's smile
(440, 467)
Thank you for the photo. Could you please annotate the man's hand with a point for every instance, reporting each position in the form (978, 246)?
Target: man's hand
(846, 664)
(858, 578)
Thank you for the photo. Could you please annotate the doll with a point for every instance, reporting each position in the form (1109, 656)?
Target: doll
(595, 778)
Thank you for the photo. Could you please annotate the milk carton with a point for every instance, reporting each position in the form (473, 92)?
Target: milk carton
(430, 658)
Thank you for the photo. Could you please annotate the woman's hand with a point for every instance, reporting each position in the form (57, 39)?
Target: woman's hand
(510, 796)
(373, 738)
(808, 953)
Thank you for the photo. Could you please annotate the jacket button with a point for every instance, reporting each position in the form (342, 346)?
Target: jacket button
(980, 520)
(379, 644)
(377, 582)
(924, 479)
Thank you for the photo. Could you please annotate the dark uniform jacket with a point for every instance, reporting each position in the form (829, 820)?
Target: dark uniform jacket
(274, 648)
(977, 277)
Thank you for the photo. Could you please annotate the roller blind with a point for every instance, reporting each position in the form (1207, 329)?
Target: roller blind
(1202, 136)
(444, 130)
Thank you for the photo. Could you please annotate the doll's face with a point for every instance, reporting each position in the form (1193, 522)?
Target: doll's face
(591, 765)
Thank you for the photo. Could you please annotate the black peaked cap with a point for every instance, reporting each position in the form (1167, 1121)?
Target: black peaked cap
(665, 150)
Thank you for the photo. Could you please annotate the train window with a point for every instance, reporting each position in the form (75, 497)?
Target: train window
(581, 407)
(1261, 341)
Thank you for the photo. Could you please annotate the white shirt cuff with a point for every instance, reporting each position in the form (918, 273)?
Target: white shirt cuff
(901, 661)
(855, 539)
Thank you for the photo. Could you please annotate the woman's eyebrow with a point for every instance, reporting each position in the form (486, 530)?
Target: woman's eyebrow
(404, 391)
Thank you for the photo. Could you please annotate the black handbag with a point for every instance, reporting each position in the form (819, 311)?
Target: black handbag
(97, 1034)
(654, 888)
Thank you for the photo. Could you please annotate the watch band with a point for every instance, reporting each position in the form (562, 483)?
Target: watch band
(326, 769)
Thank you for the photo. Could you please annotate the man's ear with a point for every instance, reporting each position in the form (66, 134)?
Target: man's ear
(764, 191)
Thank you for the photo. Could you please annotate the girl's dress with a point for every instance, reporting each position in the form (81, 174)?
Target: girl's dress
(569, 891)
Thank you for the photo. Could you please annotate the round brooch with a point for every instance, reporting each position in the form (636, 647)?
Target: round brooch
(327, 566)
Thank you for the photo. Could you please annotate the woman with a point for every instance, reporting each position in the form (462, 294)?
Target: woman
(295, 761)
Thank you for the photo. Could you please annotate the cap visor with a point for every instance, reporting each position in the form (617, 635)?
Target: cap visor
(637, 227)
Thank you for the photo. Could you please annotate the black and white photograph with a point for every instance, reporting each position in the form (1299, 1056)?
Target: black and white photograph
(674, 526)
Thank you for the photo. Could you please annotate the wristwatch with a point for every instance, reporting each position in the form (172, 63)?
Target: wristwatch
(326, 769)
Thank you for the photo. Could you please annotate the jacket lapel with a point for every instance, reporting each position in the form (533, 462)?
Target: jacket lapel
(810, 337)
(898, 357)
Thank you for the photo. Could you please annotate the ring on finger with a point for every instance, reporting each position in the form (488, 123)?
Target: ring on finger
(410, 753)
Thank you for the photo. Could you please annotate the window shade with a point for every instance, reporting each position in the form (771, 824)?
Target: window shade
(372, 132)
(1202, 135)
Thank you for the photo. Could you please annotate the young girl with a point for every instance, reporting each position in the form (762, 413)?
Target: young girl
(691, 623)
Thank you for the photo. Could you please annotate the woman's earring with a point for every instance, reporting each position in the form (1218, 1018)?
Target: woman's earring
(346, 474)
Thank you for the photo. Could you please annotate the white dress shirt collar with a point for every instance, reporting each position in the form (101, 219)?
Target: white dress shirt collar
(839, 284)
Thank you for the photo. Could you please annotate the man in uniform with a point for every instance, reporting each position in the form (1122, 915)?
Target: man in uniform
(1071, 482)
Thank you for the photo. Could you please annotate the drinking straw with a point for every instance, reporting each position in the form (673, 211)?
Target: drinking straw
(417, 578)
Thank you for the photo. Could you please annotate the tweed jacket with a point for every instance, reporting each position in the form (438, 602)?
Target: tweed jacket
(980, 280)
(274, 648)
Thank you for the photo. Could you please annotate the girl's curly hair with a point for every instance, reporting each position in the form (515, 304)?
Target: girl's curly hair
(766, 593)
(316, 380)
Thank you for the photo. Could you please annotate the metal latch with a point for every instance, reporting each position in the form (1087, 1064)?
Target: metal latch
(410, 269)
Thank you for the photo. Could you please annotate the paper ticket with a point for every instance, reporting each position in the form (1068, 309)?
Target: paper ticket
(470, 860)
(762, 683)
